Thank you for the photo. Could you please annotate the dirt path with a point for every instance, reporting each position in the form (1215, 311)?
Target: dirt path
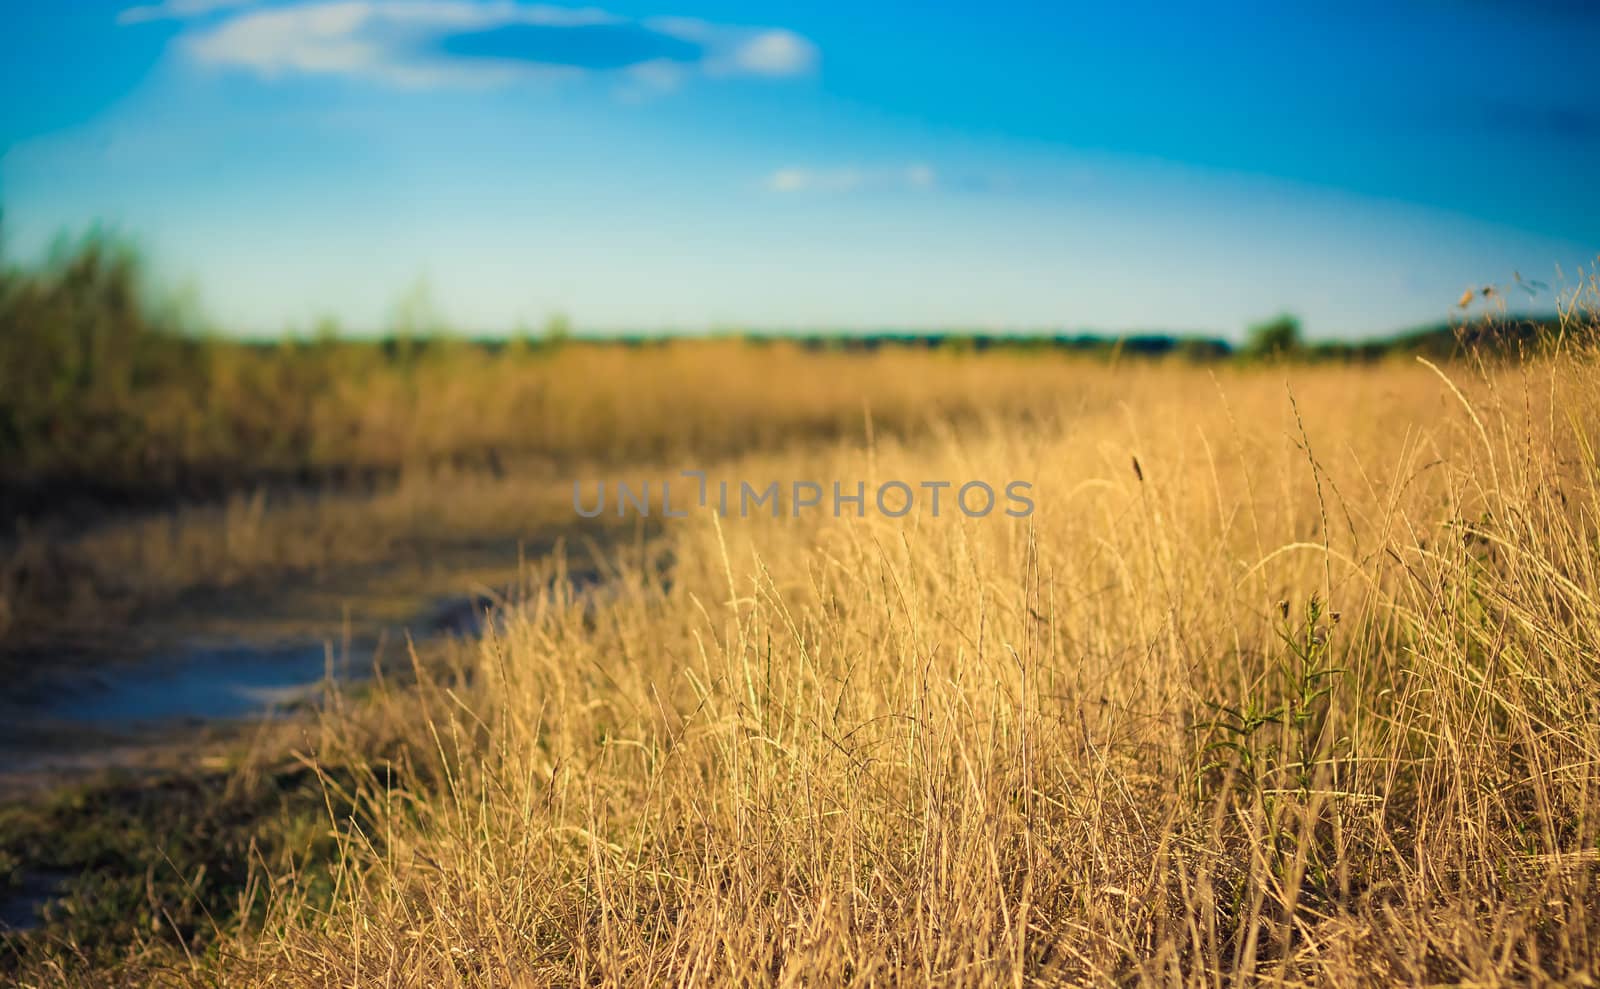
(186, 680)
(193, 682)
(136, 734)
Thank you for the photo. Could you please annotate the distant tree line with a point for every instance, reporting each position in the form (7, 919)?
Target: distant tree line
(1277, 339)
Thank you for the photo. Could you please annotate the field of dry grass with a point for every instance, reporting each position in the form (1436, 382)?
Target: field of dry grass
(1292, 676)
(466, 445)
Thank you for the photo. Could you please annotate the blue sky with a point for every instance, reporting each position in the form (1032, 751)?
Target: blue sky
(702, 165)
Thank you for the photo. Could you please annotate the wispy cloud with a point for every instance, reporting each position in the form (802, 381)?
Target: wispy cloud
(435, 42)
(176, 10)
(797, 179)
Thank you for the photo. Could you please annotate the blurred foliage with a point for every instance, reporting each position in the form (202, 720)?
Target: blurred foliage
(1277, 337)
(77, 349)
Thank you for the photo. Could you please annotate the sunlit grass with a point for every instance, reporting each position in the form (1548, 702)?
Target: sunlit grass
(1293, 676)
(1308, 696)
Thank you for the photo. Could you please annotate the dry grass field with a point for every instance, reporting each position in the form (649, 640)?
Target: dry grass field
(463, 445)
(518, 494)
(1292, 677)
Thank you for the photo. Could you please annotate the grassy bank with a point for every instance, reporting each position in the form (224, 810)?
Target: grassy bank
(1261, 690)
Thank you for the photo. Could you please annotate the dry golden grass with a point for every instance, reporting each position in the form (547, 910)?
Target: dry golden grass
(322, 409)
(1293, 677)
(484, 446)
(1308, 698)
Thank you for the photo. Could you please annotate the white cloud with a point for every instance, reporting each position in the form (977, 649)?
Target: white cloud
(776, 53)
(916, 176)
(742, 51)
(401, 42)
(316, 39)
(921, 176)
(813, 180)
(176, 10)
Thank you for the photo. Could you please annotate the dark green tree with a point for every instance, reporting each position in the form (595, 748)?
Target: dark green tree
(1277, 337)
